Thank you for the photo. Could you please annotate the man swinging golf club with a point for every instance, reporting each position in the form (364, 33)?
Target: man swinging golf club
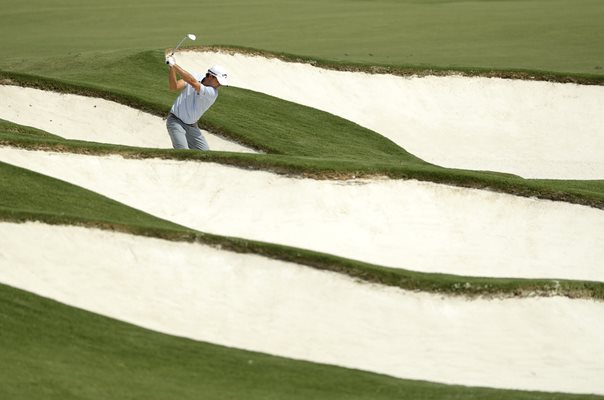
(198, 93)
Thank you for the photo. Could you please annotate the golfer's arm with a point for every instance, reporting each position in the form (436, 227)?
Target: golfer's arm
(173, 83)
(187, 77)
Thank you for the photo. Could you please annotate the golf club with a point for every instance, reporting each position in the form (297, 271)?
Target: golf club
(189, 35)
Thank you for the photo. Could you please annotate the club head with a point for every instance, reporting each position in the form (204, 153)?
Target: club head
(192, 36)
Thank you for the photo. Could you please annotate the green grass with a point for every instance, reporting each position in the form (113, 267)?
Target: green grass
(587, 187)
(103, 49)
(10, 129)
(53, 351)
(543, 35)
(24, 192)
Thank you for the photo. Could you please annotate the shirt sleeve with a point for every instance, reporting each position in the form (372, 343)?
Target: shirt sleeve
(199, 77)
(207, 91)
(203, 91)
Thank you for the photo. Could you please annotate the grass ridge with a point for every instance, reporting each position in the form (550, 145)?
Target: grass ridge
(308, 167)
(443, 284)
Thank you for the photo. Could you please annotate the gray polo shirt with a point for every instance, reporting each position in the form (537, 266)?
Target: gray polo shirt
(189, 106)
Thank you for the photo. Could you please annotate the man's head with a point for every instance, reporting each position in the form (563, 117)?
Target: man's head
(216, 77)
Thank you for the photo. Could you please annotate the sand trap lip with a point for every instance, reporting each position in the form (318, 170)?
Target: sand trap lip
(534, 344)
(532, 129)
(246, 301)
(404, 224)
(87, 118)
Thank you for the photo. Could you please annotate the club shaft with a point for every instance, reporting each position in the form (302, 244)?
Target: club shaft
(178, 45)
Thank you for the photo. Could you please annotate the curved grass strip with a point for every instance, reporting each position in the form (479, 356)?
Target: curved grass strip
(588, 193)
(28, 196)
(7, 127)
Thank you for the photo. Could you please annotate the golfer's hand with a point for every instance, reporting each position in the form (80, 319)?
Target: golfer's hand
(170, 61)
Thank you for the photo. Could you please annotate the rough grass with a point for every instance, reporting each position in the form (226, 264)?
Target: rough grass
(10, 129)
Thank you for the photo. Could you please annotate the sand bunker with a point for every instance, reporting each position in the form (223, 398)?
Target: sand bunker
(246, 301)
(403, 224)
(92, 119)
(532, 129)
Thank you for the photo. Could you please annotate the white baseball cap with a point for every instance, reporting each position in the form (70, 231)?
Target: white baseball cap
(220, 74)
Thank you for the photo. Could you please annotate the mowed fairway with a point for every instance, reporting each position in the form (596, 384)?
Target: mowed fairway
(127, 269)
(546, 35)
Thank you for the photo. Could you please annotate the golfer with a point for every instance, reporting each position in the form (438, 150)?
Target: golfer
(198, 93)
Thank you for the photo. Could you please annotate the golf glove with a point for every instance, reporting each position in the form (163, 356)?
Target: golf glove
(170, 60)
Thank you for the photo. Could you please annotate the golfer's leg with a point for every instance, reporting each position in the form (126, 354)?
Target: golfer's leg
(177, 132)
(196, 139)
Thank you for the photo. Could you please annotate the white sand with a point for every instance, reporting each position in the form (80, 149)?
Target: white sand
(92, 119)
(404, 224)
(532, 129)
(246, 301)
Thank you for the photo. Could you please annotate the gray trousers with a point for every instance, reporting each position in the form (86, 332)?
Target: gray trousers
(185, 136)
